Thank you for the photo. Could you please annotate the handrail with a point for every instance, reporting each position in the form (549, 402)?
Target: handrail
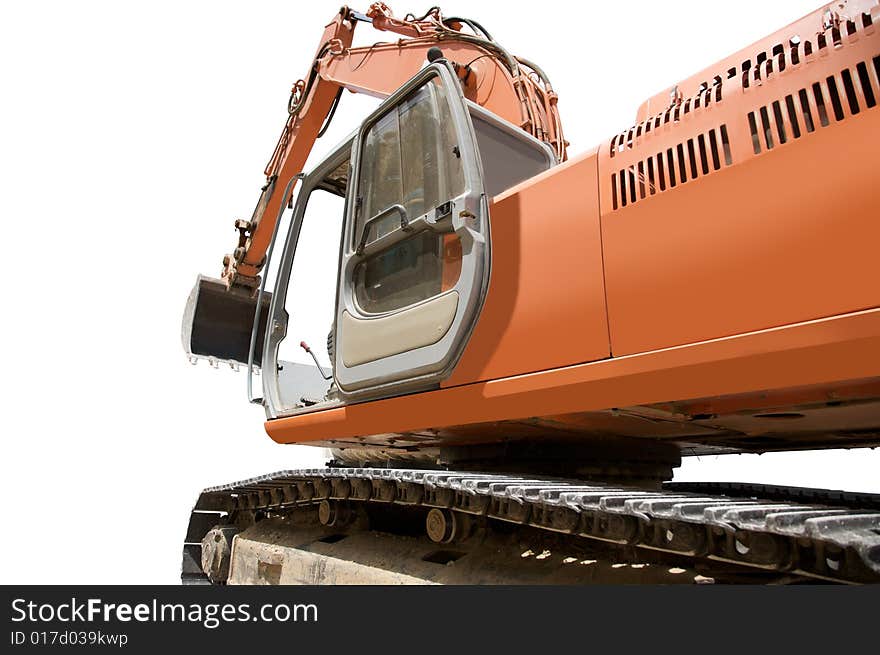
(396, 208)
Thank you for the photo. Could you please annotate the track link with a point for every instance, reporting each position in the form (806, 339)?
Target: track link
(827, 535)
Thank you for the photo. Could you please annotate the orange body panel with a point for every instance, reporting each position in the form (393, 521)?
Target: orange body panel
(546, 302)
(775, 240)
(782, 235)
(813, 353)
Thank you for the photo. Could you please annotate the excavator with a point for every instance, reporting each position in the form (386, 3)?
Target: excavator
(524, 345)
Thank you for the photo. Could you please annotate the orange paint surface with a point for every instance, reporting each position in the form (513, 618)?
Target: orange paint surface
(816, 352)
(785, 236)
(546, 303)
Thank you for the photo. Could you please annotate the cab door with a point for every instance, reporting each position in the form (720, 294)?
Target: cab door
(415, 254)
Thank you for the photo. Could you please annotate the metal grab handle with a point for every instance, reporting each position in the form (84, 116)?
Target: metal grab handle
(404, 224)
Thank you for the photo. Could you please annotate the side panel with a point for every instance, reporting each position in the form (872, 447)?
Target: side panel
(546, 302)
(780, 229)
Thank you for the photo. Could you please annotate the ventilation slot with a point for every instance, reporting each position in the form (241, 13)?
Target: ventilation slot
(766, 129)
(850, 91)
(797, 114)
(835, 98)
(670, 160)
(661, 171)
(725, 142)
(805, 108)
(753, 129)
(705, 96)
(792, 117)
(696, 157)
(865, 83)
(692, 159)
(641, 176)
(820, 105)
(682, 170)
(777, 116)
(701, 142)
(716, 163)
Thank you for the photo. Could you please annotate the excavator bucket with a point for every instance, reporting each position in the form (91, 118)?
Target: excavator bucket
(218, 322)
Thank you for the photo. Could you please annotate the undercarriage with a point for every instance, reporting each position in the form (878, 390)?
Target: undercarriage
(264, 529)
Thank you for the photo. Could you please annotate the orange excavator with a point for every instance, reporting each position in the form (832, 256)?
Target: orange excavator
(526, 344)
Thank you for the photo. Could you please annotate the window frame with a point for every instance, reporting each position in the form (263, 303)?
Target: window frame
(273, 394)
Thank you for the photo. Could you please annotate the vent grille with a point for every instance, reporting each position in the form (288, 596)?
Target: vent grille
(815, 106)
(791, 88)
(764, 64)
(705, 96)
(750, 72)
(686, 161)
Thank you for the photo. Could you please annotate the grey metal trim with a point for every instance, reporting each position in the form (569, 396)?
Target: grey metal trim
(276, 331)
(250, 364)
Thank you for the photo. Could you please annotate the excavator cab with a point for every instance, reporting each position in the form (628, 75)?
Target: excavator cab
(414, 248)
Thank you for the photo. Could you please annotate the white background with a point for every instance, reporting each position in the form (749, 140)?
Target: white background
(132, 134)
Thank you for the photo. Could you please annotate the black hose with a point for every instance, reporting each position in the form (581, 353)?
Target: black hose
(330, 114)
(412, 17)
(537, 69)
(470, 22)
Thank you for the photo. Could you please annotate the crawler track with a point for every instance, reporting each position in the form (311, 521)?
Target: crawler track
(827, 535)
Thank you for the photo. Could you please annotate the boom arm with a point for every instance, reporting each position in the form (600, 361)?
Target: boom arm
(510, 87)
